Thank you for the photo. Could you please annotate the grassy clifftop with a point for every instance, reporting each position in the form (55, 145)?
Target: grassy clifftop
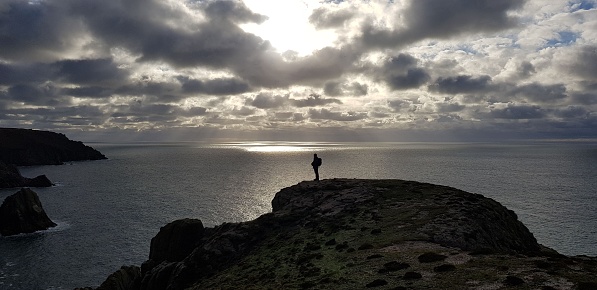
(354, 234)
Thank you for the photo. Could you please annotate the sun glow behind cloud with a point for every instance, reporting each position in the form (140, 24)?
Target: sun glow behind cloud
(288, 27)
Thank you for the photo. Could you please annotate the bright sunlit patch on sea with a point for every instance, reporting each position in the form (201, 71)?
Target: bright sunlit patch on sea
(278, 147)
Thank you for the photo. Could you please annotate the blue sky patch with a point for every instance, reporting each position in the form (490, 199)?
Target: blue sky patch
(582, 5)
(565, 38)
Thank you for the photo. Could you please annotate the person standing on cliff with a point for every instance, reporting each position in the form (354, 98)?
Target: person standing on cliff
(316, 163)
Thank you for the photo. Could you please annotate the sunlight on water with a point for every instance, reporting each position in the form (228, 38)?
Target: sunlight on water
(274, 147)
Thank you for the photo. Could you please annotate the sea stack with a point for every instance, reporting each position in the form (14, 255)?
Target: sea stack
(22, 212)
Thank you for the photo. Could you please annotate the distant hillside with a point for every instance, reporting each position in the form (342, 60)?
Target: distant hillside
(32, 147)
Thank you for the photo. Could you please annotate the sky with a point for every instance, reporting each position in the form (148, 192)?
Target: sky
(300, 70)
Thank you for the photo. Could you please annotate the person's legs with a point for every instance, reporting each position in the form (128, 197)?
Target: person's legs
(316, 169)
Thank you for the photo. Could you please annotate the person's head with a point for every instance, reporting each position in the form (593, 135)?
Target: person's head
(314, 155)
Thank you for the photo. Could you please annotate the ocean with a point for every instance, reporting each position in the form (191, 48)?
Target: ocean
(107, 211)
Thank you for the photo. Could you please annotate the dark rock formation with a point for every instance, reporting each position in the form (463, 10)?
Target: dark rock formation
(32, 147)
(22, 212)
(297, 246)
(11, 177)
(176, 240)
(128, 277)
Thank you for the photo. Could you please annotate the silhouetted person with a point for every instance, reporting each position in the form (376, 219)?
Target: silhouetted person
(316, 163)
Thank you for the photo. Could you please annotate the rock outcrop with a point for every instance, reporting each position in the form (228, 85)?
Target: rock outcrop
(32, 147)
(354, 234)
(22, 212)
(22, 147)
(11, 177)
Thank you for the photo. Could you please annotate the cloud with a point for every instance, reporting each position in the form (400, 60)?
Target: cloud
(324, 114)
(415, 64)
(443, 19)
(267, 101)
(335, 89)
(89, 71)
(314, 100)
(37, 30)
(323, 18)
(585, 63)
(402, 72)
(517, 112)
(541, 93)
(461, 84)
(220, 86)
(34, 94)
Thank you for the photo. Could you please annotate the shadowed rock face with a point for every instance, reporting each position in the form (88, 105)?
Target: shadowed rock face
(11, 177)
(22, 212)
(176, 240)
(32, 147)
(353, 234)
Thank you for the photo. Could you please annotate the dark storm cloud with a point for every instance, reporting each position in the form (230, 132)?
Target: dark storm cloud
(413, 78)
(234, 11)
(89, 71)
(572, 112)
(157, 91)
(584, 98)
(80, 71)
(585, 64)
(526, 69)
(402, 72)
(218, 42)
(314, 100)
(25, 73)
(444, 19)
(88, 92)
(335, 89)
(267, 101)
(462, 84)
(47, 117)
(517, 112)
(541, 93)
(140, 112)
(220, 86)
(324, 114)
(36, 30)
(34, 94)
(323, 18)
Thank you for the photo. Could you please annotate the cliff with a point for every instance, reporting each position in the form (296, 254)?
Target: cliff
(11, 177)
(22, 212)
(20, 147)
(23, 147)
(354, 234)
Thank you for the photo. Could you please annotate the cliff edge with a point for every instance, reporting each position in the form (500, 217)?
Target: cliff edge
(355, 234)
(22, 147)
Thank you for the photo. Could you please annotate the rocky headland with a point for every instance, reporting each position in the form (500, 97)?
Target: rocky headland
(355, 234)
(22, 147)
(22, 212)
(11, 177)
